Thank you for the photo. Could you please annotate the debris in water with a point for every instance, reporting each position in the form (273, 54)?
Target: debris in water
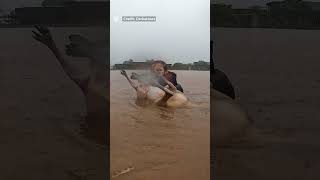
(122, 172)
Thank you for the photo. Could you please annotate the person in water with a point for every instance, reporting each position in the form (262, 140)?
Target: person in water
(159, 77)
(165, 77)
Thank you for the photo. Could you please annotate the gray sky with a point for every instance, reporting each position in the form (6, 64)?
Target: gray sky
(9, 4)
(180, 34)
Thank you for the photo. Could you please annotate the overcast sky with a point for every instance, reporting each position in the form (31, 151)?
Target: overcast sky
(180, 33)
(9, 4)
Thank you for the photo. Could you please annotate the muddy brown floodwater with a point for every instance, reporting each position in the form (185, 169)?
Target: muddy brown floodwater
(159, 143)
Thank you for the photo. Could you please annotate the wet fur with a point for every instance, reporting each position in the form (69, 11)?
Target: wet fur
(229, 120)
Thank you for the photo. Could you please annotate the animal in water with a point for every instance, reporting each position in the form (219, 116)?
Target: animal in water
(93, 84)
(155, 92)
(229, 119)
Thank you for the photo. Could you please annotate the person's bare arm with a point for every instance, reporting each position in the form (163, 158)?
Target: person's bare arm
(44, 36)
(171, 86)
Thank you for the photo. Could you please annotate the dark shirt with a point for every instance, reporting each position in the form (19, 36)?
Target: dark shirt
(171, 77)
(222, 83)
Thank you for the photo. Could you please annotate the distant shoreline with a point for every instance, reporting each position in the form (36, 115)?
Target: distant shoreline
(7, 26)
(50, 25)
(148, 69)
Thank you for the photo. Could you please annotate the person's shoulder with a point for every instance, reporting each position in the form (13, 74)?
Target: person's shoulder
(172, 73)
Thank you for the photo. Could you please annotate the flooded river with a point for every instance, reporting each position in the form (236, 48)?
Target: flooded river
(156, 142)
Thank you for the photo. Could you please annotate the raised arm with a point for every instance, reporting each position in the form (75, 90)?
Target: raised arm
(171, 86)
(44, 36)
